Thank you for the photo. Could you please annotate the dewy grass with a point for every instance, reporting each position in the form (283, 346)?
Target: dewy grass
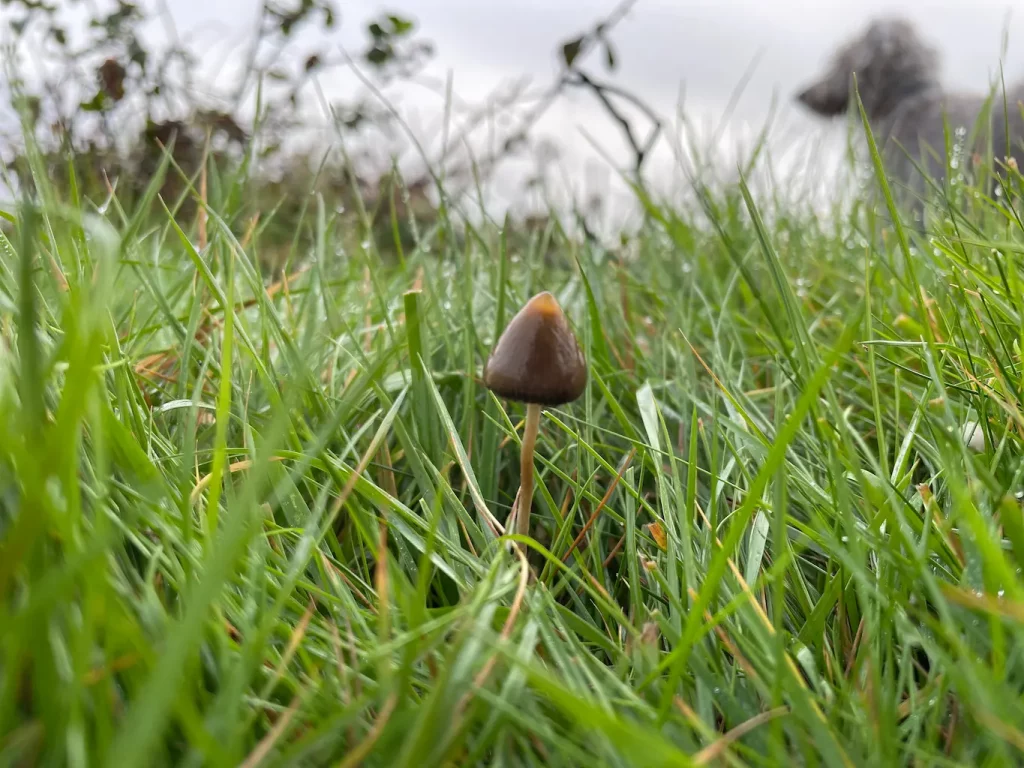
(246, 516)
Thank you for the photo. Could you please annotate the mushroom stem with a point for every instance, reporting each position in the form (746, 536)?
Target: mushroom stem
(526, 468)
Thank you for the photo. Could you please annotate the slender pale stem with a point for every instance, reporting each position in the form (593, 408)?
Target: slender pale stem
(526, 469)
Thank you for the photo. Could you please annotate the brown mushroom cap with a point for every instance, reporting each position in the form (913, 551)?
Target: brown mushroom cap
(537, 359)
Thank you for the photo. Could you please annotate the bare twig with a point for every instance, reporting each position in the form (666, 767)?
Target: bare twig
(519, 134)
(603, 91)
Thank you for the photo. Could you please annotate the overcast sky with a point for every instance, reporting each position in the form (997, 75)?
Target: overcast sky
(704, 44)
(703, 47)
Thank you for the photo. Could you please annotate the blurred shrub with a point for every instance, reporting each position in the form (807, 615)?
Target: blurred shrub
(110, 100)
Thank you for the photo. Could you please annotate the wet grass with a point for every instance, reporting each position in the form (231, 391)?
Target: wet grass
(243, 512)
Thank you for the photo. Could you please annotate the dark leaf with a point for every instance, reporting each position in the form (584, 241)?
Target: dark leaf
(379, 56)
(312, 62)
(137, 54)
(354, 120)
(59, 35)
(514, 144)
(111, 75)
(400, 26)
(95, 104)
(609, 55)
(571, 50)
(377, 31)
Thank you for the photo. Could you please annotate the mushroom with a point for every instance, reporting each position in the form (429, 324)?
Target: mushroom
(537, 361)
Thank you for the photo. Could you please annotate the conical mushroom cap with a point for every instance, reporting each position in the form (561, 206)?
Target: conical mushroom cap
(537, 359)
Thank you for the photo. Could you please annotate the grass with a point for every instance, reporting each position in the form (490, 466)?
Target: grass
(243, 512)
